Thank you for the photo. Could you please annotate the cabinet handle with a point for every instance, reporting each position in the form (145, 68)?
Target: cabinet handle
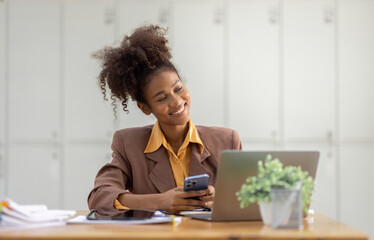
(329, 135)
(218, 15)
(273, 14)
(109, 15)
(163, 17)
(328, 14)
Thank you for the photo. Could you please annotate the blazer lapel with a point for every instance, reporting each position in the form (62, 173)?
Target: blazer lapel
(162, 174)
(197, 165)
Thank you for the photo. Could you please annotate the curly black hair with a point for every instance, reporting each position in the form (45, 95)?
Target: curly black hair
(126, 69)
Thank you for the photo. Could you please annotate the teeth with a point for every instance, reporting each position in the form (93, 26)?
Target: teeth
(179, 111)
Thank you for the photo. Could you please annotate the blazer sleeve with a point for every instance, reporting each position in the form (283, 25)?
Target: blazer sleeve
(236, 143)
(112, 179)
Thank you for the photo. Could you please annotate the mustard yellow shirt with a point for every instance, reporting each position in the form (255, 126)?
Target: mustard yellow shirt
(180, 162)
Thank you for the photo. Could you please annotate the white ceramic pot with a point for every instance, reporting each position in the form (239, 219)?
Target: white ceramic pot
(265, 211)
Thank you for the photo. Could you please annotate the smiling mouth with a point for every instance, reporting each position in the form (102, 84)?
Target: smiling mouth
(181, 109)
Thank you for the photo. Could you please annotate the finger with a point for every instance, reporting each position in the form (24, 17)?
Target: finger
(207, 198)
(210, 190)
(193, 194)
(208, 204)
(192, 202)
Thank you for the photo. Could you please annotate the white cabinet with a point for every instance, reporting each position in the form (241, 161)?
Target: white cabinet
(307, 89)
(356, 169)
(34, 175)
(82, 162)
(34, 69)
(356, 116)
(356, 71)
(253, 70)
(324, 199)
(252, 146)
(308, 74)
(2, 96)
(198, 34)
(135, 13)
(132, 14)
(88, 27)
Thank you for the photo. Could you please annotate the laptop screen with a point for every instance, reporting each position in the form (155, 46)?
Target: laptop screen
(236, 166)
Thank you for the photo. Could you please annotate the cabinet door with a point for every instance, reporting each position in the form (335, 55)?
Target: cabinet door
(2, 173)
(324, 199)
(77, 183)
(88, 27)
(34, 70)
(2, 96)
(34, 175)
(309, 79)
(253, 69)
(132, 14)
(252, 146)
(356, 71)
(199, 56)
(356, 186)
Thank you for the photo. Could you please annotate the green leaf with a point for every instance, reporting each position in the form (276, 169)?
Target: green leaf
(272, 174)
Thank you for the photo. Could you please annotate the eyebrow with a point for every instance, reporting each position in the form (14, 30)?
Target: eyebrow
(161, 92)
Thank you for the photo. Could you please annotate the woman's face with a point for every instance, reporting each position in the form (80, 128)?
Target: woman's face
(167, 98)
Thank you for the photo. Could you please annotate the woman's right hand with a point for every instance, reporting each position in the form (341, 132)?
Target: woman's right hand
(175, 200)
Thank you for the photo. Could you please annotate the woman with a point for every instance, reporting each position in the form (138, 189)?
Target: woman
(150, 163)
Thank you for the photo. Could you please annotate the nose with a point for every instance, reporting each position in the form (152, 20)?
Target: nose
(175, 101)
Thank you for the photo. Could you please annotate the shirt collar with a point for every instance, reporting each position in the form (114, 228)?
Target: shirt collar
(157, 138)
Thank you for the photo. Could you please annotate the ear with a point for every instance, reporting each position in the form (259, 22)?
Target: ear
(145, 108)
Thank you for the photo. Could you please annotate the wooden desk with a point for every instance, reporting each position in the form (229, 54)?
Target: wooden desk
(316, 227)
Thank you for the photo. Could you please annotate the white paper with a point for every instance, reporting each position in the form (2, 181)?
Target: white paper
(17, 216)
(12, 224)
(83, 220)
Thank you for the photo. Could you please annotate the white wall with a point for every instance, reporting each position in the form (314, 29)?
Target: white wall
(287, 74)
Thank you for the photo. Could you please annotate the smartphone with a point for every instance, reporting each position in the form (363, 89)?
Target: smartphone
(198, 182)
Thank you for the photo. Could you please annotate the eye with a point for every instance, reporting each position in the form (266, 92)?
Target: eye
(161, 99)
(179, 89)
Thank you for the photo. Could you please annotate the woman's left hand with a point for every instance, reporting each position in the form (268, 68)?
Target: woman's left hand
(208, 198)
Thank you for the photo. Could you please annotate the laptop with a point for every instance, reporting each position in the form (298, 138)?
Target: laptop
(234, 168)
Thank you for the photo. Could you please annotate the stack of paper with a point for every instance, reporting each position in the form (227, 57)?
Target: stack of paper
(15, 216)
(158, 217)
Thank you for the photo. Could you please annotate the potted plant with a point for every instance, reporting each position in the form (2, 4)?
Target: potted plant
(272, 174)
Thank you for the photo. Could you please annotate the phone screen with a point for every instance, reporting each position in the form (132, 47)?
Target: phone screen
(120, 215)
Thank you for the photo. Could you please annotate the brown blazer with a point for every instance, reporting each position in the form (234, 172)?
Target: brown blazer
(141, 173)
